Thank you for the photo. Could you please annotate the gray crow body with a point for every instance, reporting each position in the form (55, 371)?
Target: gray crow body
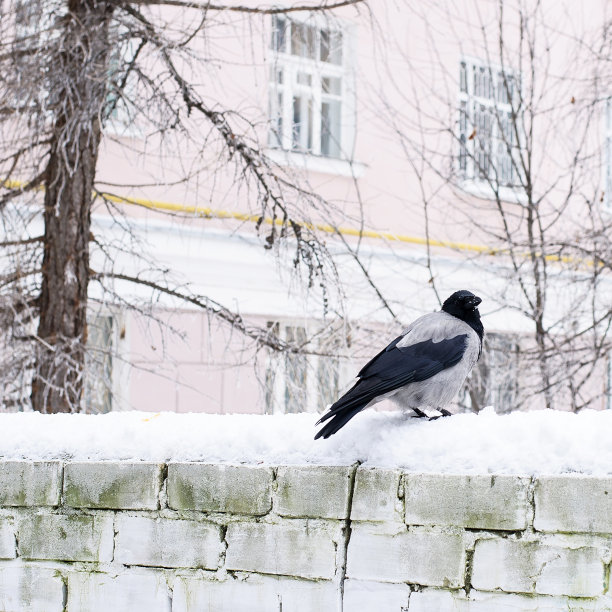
(423, 368)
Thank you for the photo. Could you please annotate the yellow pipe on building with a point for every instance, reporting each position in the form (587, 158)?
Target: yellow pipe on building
(210, 213)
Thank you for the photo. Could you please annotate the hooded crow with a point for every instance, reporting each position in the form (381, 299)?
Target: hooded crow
(423, 368)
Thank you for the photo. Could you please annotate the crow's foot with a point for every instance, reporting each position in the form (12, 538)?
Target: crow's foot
(419, 414)
(443, 413)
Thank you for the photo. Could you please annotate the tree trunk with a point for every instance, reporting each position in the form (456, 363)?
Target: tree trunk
(77, 94)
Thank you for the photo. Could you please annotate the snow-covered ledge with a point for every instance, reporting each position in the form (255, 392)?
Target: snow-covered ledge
(82, 531)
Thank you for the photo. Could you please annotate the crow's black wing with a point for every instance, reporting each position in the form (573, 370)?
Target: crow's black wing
(391, 369)
(385, 350)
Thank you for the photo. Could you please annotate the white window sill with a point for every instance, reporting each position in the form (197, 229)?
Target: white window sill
(315, 163)
(483, 190)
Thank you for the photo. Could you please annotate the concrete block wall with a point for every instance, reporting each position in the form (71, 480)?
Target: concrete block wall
(192, 537)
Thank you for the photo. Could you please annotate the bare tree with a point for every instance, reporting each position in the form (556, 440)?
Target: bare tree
(501, 122)
(67, 67)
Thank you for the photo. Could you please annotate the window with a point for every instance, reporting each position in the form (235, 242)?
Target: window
(98, 389)
(487, 131)
(300, 383)
(35, 30)
(122, 81)
(308, 89)
(493, 381)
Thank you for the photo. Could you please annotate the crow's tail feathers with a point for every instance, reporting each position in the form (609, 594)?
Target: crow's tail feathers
(340, 419)
(340, 413)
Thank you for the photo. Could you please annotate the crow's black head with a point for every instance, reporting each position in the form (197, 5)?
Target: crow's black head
(464, 305)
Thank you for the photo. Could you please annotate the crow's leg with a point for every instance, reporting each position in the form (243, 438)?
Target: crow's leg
(443, 413)
(419, 413)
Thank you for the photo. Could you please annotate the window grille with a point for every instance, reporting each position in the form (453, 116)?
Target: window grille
(487, 125)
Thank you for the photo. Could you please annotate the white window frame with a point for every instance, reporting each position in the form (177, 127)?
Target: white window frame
(294, 67)
(282, 369)
(482, 103)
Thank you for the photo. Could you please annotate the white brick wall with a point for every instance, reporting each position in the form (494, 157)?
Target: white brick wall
(425, 557)
(291, 548)
(189, 537)
(527, 566)
(162, 542)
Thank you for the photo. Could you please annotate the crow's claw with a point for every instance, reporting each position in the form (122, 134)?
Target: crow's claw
(419, 414)
(443, 413)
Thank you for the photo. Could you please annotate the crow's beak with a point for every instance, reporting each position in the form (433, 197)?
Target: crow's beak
(474, 301)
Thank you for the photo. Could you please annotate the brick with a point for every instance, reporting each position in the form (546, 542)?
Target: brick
(30, 483)
(112, 484)
(376, 496)
(477, 502)
(167, 543)
(508, 602)
(294, 549)
(220, 488)
(29, 587)
(434, 600)
(437, 600)
(312, 491)
(367, 596)
(573, 503)
(66, 538)
(529, 567)
(253, 594)
(132, 591)
(427, 558)
(7, 539)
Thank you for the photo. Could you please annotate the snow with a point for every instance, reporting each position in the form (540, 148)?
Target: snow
(538, 442)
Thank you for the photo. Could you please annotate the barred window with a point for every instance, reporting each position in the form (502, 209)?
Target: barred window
(487, 126)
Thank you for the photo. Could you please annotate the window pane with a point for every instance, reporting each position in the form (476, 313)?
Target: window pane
(279, 28)
(302, 123)
(302, 40)
(463, 118)
(331, 85)
(330, 128)
(99, 365)
(272, 367)
(304, 78)
(462, 77)
(331, 47)
(275, 136)
(462, 154)
(296, 369)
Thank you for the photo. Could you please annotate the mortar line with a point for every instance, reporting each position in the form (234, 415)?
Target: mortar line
(62, 481)
(162, 495)
(346, 531)
(64, 592)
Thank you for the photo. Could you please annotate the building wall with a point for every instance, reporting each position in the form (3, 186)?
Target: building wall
(397, 58)
(178, 537)
(403, 69)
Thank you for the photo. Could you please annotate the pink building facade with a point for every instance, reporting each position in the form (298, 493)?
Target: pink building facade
(402, 121)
